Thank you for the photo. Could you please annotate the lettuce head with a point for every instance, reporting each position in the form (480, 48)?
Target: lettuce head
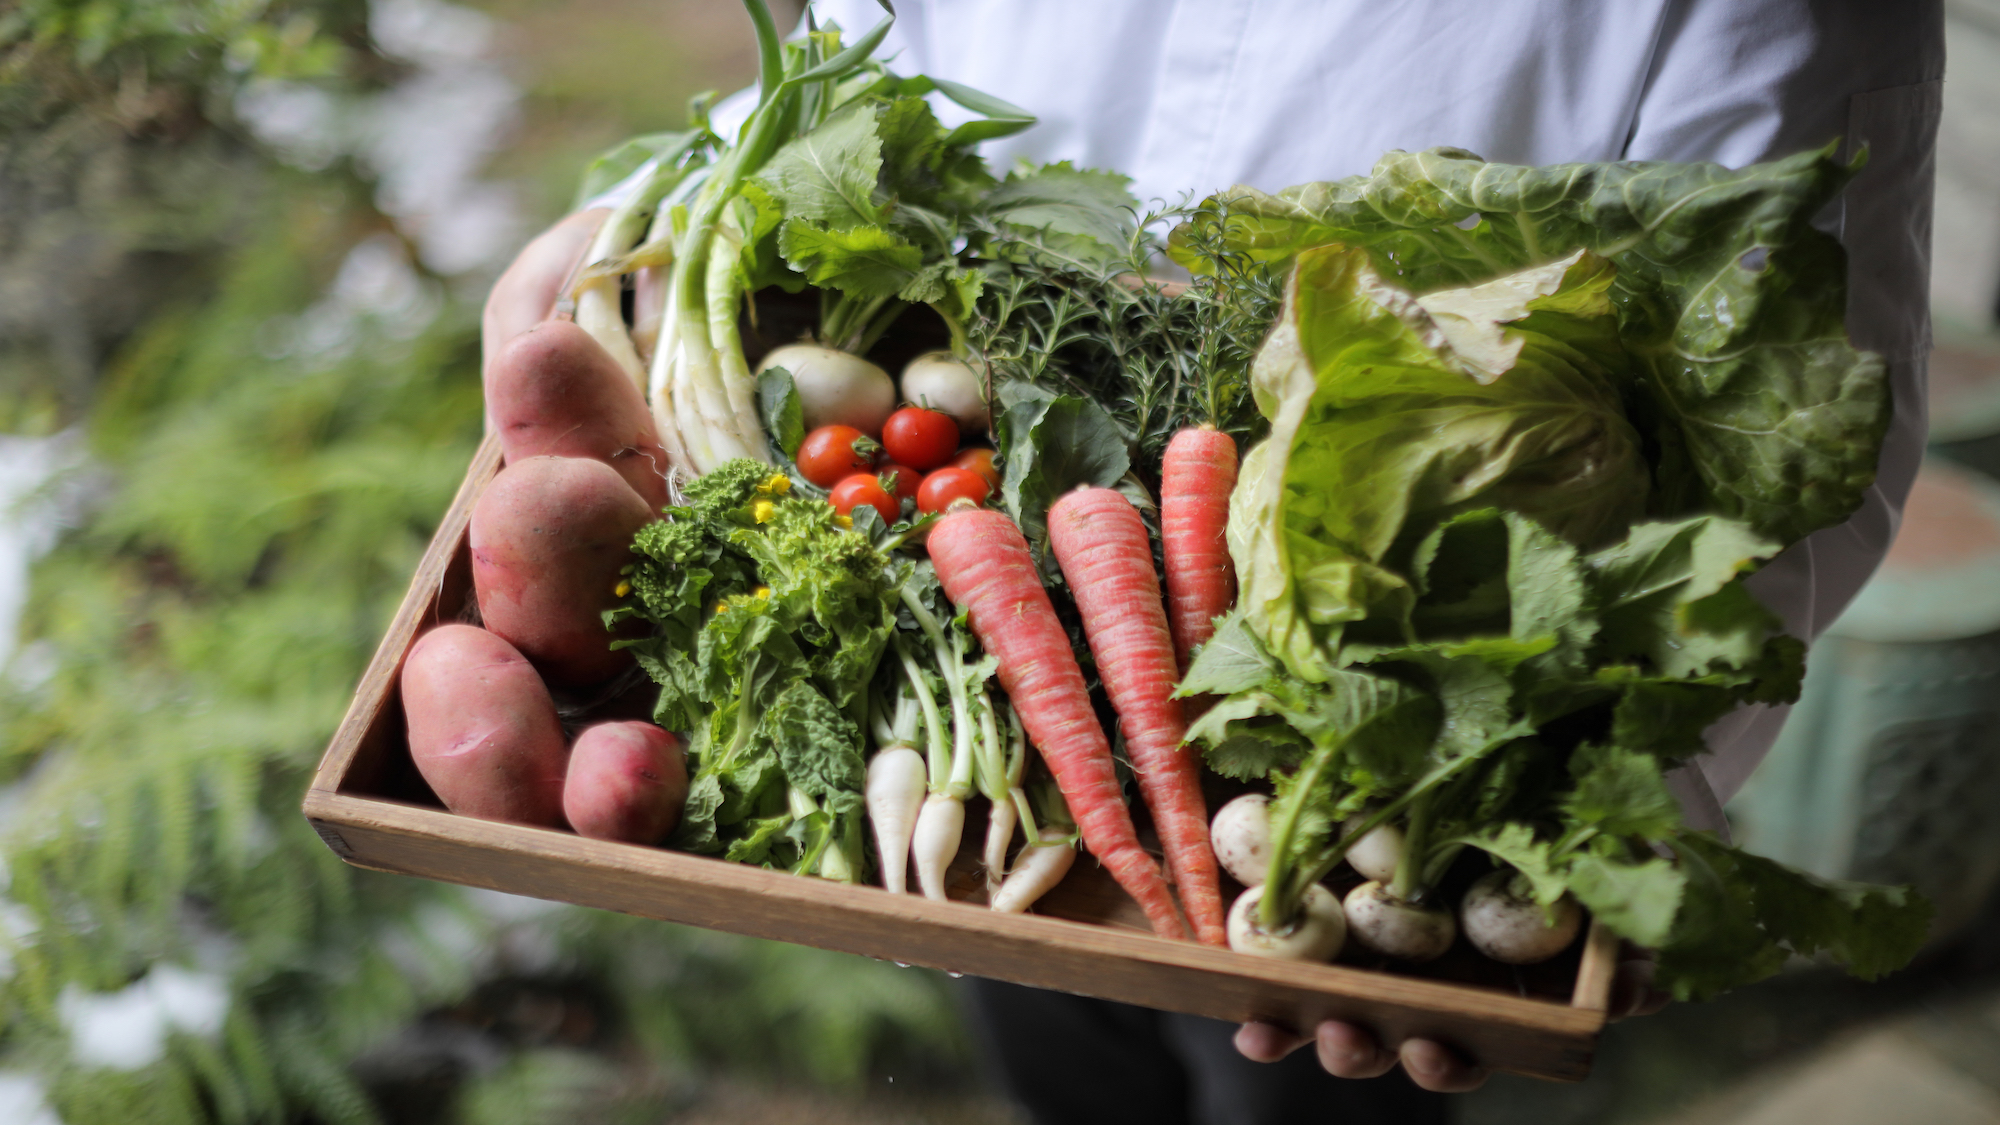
(1392, 411)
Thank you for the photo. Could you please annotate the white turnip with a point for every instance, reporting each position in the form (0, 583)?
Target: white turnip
(1376, 855)
(1385, 924)
(1505, 923)
(1241, 836)
(836, 387)
(942, 382)
(1316, 935)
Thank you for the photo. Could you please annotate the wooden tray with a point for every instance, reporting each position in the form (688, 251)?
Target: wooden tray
(367, 802)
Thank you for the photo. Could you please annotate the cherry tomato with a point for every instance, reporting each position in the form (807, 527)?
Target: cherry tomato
(942, 487)
(980, 461)
(864, 488)
(922, 439)
(902, 479)
(830, 454)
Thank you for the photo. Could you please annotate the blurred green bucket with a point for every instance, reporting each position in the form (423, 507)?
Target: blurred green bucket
(1889, 768)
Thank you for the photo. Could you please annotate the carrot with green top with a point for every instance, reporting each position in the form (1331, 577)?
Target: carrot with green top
(1107, 558)
(984, 565)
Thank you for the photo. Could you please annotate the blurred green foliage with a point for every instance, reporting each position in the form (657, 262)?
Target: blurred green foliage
(122, 171)
(268, 456)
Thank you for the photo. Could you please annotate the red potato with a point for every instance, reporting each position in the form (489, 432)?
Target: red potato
(549, 537)
(482, 728)
(627, 781)
(554, 391)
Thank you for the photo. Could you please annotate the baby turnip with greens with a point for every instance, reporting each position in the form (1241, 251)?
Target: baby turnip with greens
(1397, 927)
(1241, 833)
(1378, 852)
(1504, 921)
(1316, 932)
(1000, 771)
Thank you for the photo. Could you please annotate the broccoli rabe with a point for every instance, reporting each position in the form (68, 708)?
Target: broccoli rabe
(767, 620)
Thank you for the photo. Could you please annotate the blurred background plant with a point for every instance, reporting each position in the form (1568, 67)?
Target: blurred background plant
(243, 246)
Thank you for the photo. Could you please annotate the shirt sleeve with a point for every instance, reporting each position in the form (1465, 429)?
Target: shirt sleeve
(1737, 82)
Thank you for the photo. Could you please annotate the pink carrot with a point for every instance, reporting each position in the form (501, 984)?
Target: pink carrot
(1196, 477)
(1107, 557)
(983, 562)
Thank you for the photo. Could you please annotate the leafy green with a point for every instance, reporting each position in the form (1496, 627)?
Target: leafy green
(1746, 914)
(1729, 303)
(1050, 444)
(1451, 502)
(783, 412)
(873, 204)
(1386, 421)
(1062, 215)
(629, 155)
(767, 623)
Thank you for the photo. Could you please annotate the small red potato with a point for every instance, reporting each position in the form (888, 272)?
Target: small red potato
(549, 537)
(483, 730)
(627, 781)
(553, 391)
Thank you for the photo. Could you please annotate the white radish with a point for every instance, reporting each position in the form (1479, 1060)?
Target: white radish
(836, 387)
(896, 784)
(1316, 935)
(999, 833)
(940, 381)
(1509, 926)
(940, 825)
(1385, 924)
(1376, 855)
(1037, 870)
(1241, 836)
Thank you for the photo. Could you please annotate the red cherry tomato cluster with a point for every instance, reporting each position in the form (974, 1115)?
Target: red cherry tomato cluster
(919, 460)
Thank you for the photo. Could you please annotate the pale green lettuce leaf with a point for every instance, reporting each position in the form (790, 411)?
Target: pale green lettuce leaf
(1384, 423)
(1728, 299)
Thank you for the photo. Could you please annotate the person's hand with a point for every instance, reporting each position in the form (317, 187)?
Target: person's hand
(526, 294)
(1349, 1051)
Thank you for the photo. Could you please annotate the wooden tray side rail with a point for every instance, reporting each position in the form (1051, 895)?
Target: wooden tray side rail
(1523, 1034)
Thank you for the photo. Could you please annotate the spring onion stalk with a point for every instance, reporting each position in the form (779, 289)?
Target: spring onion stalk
(597, 292)
(710, 393)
